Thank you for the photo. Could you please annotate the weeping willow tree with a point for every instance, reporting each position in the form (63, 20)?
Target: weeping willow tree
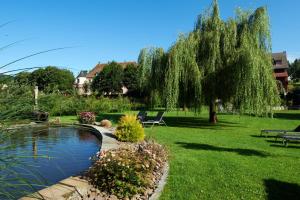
(255, 87)
(223, 60)
(152, 66)
(209, 56)
(157, 74)
(144, 69)
(183, 75)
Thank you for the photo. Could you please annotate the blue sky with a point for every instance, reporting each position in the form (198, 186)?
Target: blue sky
(105, 30)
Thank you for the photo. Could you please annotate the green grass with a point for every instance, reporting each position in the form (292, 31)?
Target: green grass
(66, 119)
(228, 160)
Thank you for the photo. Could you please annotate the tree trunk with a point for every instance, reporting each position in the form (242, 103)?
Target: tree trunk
(212, 112)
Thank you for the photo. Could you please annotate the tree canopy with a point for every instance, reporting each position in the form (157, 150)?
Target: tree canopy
(220, 60)
(294, 69)
(130, 79)
(109, 80)
(151, 72)
(47, 79)
(23, 78)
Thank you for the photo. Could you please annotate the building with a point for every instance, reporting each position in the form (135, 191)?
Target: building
(99, 67)
(86, 77)
(280, 66)
(80, 82)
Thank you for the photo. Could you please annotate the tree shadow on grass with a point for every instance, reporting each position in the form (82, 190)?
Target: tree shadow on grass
(197, 122)
(290, 146)
(244, 152)
(277, 190)
(289, 116)
(280, 141)
(177, 121)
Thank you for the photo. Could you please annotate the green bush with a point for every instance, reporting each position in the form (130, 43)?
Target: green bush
(120, 105)
(58, 104)
(129, 170)
(129, 129)
(15, 102)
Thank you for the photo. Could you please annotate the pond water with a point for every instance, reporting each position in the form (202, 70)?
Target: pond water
(36, 158)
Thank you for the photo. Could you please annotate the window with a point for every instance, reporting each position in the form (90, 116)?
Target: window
(278, 62)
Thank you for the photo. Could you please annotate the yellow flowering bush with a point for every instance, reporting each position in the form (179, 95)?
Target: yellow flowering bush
(129, 129)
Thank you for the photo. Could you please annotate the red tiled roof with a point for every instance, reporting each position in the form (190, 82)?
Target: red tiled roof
(99, 67)
(280, 60)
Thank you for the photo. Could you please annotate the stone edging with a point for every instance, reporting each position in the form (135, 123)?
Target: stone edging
(161, 184)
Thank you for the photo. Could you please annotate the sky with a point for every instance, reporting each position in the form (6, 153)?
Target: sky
(106, 30)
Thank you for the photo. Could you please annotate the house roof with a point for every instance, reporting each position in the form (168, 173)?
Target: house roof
(280, 60)
(99, 67)
(82, 73)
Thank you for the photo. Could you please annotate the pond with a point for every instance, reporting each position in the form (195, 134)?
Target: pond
(33, 159)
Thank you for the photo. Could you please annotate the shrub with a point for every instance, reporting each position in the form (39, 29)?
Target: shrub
(120, 105)
(87, 117)
(105, 123)
(129, 170)
(129, 129)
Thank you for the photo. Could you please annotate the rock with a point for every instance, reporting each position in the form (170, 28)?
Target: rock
(113, 197)
(97, 123)
(93, 190)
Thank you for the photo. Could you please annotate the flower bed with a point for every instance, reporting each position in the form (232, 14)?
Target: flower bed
(87, 117)
(132, 171)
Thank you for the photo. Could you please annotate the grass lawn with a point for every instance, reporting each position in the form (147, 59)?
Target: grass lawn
(66, 119)
(228, 160)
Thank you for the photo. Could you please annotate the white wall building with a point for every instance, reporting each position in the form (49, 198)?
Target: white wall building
(80, 82)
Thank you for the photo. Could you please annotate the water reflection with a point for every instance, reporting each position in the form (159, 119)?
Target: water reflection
(43, 157)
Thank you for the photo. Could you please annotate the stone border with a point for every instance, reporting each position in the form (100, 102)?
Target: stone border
(67, 187)
(161, 184)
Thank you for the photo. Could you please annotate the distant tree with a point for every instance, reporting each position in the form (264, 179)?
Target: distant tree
(109, 80)
(151, 74)
(23, 78)
(5, 79)
(52, 78)
(144, 70)
(294, 69)
(86, 87)
(130, 79)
